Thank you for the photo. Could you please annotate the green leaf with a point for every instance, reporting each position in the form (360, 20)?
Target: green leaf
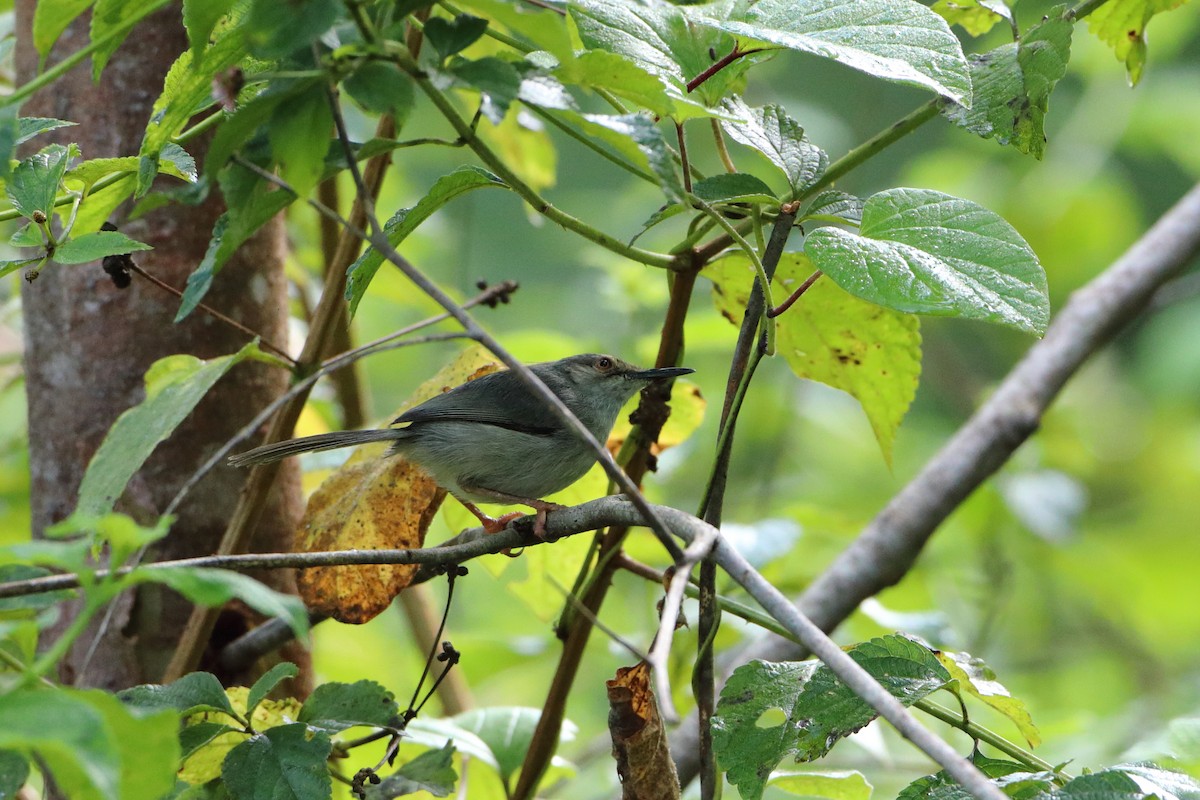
(1111, 784)
(1006, 775)
(638, 138)
(506, 731)
(836, 785)
(91, 744)
(50, 19)
(282, 763)
(751, 736)
(33, 184)
(200, 17)
(1013, 84)
(250, 116)
(770, 131)
(108, 18)
(119, 532)
(432, 772)
(900, 42)
(10, 131)
(448, 37)
(21, 572)
(94, 246)
(277, 29)
(196, 691)
(973, 16)
(837, 204)
(1162, 782)
(599, 69)
(175, 162)
(14, 771)
(406, 220)
(870, 352)
(498, 81)
(333, 707)
(299, 133)
(29, 127)
(267, 682)
(727, 187)
(214, 587)
(381, 88)
(925, 252)
(661, 39)
(197, 734)
(187, 86)
(28, 235)
(95, 210)
(174, 385)
(1121, 24)
(978, 679)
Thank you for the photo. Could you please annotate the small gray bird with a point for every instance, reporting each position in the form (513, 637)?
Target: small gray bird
(492, 441)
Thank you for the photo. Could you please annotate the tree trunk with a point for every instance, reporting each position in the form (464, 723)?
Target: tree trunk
(88, 344)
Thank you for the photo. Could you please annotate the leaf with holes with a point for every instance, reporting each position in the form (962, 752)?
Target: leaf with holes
(925, 252)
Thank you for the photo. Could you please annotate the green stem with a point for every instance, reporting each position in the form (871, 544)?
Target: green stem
(1081, 10)
(67, 64)
(763, 281)
(982, 734)
(591, 144)
(527, 193)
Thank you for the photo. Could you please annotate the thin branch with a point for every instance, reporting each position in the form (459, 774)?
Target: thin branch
(886, 550)
(794, 296)
(720, 64)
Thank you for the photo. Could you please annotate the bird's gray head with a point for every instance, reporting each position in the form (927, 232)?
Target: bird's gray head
(595, 386)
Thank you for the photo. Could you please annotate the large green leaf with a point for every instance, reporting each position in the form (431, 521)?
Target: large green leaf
(94, 246)
(506, 730)
(926, 252)
(406, 220)
(898, 41)
(215, 587)
(300, 131)
(333, 707)
(870, 352)
(817, 708)
(286, 762)
(196, 691)
(174, 385)
(1012, 86)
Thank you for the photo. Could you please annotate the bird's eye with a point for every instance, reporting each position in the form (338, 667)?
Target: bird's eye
(604, 364)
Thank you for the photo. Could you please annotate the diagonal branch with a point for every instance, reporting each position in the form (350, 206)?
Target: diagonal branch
(889, 546)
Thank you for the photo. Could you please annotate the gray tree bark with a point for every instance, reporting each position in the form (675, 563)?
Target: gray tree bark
(88, 344)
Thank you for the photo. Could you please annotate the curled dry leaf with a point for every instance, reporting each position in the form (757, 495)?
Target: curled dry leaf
(375, 502)
(639, 739)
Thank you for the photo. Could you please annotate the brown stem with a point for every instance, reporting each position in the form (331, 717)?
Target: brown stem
(804, 287)
(720, 64)
(683, 157)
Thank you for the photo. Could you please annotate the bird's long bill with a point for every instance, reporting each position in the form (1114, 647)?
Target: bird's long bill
(659, 373)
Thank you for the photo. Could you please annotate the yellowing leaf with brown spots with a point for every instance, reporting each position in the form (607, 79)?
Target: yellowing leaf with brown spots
(204, 763)
(687, 412)
(375, 502)
(868, 351)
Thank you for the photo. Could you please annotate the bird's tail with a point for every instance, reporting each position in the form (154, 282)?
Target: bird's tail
(312, 444)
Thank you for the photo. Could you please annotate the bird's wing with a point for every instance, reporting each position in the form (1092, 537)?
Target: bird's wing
(497, 399)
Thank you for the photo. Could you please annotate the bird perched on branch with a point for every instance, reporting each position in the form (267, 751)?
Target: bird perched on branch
(492, 440)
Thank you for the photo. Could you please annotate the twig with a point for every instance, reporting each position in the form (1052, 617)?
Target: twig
(794, 296)
(720, 64)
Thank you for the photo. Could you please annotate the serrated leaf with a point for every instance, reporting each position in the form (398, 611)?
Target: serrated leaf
(1013, 85)
(200, 17)
(1008, 776)
(29, 127)
(94, 246)
(187, 85)
(50, 19)
(267, 683)
(28, 235)
(900, 42)
(661, 38)
(818, 709)
(109, 19)
(204, 762)
(215, 587)
(33, 184)
(405, 221)
(974, 17)
(299, 133)
(432, 772)
(450, 36)
(869, 352)
(978, 679)
(282, 763)
(925, 252)
(1121, 24)
(381, 88)
(833, 203)
(731, 187)
(140, 429)
(196, 691)
(770, 131)
(333, 707)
